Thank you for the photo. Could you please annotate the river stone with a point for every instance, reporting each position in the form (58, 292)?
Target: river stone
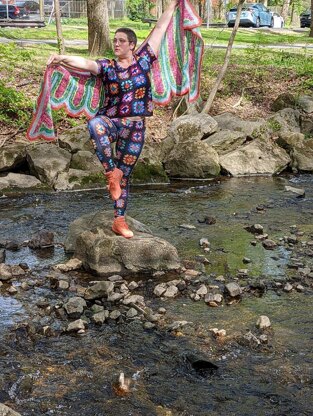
(72, 264)
(193, 159)
(269, 244)
(171, 292)
(306, 121)
(224, 141)
(302, 157)
(85, 160)
(7, 411)
(2, 255)
(79, 179)
(100, 317)
(43, 238)
(305, 102)
(255, 229)
(47, 161)
(233, 289)
(99, 290)
(229, 121)
(263, 322)
(299, 192)
(288, 287)
(12, 156)
(17, 180)
(160, 289)
(76, 139)
(257, 157)
(75, 307)
(5, 272)
(76, 326)
(149, 167)
(105, 253)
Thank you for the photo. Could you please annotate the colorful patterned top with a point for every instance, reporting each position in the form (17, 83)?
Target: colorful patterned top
(127, 90)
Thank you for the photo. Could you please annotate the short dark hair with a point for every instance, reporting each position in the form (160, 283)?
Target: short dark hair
(131, 35)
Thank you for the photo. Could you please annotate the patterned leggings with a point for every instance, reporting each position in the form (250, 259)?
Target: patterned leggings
(129, 137)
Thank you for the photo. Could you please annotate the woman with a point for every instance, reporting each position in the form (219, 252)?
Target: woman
(128, 100)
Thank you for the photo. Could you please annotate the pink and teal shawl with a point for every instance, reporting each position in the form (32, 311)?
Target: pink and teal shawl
(175, 73)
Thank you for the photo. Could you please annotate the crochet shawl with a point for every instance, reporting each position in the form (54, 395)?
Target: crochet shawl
(176, 72)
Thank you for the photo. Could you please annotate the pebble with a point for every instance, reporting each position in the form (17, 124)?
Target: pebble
(253, 243)
(115, 314)
(202, 291)
(255, 229)
(115, 278)
(263, 322)
(148, 325)
(204, 242)
(170, 292)
(162, 310)
(76, 326)
(288, 287)
(187, 226)
(220, 278)
(12, 290)
(269, 244)
(300, 288)
(233, 289)
(263, 338)
(246, 260)
(133, 285)
(131, 313)
(114, 297)
(63, 285)
(160, 289)
(100, 317)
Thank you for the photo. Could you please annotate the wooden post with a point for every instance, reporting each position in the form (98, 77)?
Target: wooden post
(41, 10)
(58, 24)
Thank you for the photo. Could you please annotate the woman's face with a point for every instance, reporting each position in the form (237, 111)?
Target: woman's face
(122, 46)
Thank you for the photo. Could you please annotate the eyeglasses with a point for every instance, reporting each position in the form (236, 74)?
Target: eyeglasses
(120, 41)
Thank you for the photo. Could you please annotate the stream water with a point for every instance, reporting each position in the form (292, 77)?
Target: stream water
(71, 375)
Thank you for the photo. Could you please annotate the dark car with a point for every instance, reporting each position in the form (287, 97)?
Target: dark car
(27, 7)
(305, 18)
(252, 14)
(10, 11)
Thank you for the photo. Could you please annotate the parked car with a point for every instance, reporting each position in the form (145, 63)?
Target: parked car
(27, 8)
(10, 11)
(278, 20)
(305, 18)
(252, 15)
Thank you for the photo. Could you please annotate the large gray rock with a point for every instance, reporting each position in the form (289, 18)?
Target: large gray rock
(306, 122)
(302, 157)
(225, 141)
(257, 157)
(228, 121)
(76, 139)
(305, 103)
(85, 160)
(149, 167)
(189, 128)
(47, 161)
(19, 181)
(194, 159)
(79, 179)
(284, 120)
(105, 253)
(75, 307)
(99, 290)
(7, 411)
(11, 156)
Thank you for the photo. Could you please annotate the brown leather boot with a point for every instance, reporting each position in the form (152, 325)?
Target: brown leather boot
(114, 178)
(120, 227)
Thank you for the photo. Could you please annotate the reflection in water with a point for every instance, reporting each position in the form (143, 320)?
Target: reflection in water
(76, 375)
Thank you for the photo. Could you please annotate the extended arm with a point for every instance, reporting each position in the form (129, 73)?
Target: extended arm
(161, 26)
(76, 62)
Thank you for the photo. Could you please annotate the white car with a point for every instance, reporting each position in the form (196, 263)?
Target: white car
(278, 20)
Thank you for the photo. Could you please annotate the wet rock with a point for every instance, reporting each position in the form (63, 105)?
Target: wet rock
(299, 192)
(171, 292)
(187, 226)
(100, 317)
(63, 284)
(133, 285)
(160, 289)
(76, 326)
(12, 290)
(177, 325)
(42, 239)
(7, 411)
(255, 229)
(233, 289)
(97, 308)
(162, 310)
(11, 245)
(104, 253)
(288, 287)
(75, 139)
(131, 313)
(78, 179)
(5, 272)
(99, 290)
(134, 299)
(263, 338)
(17, 271)
(300, 288)
(115, 315)
(2, 255)
(213, 299)
(263, 322)
(208, 220)
(19, 181)
(251, 339)
(115, 278)
(149, 325)
(75, 307)
(246, 260)
(269, 244)
(225, 141)
(115, 297)
(292, 240)
(72, 264)
(202, 291)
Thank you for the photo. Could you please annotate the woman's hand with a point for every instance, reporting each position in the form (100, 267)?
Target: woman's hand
(55, 59)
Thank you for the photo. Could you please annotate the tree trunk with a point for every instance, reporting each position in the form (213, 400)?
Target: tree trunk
(98, 27)
(58, 24)
(285, 9)
(311, 29)
(222, 72)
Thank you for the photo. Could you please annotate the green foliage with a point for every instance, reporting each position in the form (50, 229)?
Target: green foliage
(15, 108)
(12, 54)
(138, 9)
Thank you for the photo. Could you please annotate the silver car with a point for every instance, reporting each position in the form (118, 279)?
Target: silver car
(252, 15)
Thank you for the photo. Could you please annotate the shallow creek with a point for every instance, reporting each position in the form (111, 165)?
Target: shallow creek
(71, 375)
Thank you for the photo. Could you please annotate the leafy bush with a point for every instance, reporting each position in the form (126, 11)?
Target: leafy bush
(15, 108)
(138, 9)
